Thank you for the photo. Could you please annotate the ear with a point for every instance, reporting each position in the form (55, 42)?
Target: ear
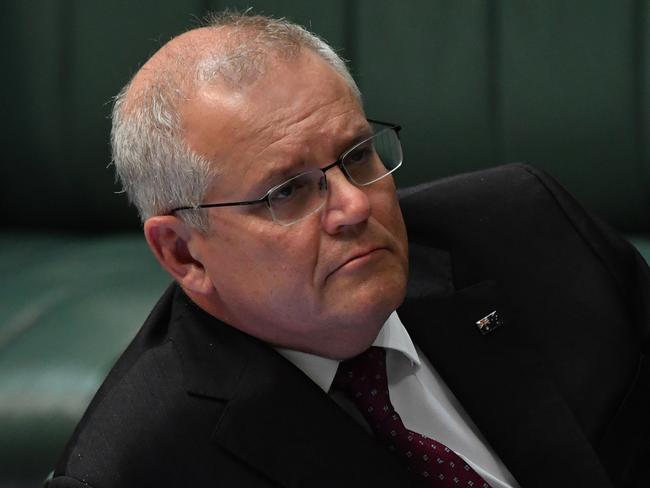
(169, 239)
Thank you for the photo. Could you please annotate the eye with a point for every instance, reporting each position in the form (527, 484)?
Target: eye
(283, 193)
(288, 190)
(360, 154)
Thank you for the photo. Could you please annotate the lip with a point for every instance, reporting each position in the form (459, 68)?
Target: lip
(357, 257)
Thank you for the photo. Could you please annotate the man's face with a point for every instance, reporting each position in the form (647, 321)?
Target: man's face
(327, 283)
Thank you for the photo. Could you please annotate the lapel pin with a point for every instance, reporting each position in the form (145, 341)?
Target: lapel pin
(488, 323)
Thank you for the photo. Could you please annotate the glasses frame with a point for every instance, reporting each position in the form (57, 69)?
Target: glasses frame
(338, 163)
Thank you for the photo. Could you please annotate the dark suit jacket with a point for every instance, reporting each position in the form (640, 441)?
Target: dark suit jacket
(561, 390)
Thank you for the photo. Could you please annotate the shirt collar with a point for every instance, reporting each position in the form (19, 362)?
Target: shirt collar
(320, 370)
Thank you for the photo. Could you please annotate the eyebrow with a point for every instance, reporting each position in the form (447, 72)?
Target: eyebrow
(363, 133)
(277, 176)
(281, 174)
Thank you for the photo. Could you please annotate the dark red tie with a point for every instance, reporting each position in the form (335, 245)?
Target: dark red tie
(363, 379)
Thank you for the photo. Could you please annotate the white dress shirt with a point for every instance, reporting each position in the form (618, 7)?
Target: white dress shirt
(419, 395)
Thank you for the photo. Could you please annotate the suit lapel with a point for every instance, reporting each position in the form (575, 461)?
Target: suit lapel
(276, 419)
(502, 384)
(280, 422)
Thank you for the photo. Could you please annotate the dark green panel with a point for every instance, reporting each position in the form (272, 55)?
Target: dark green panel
(573, 94)
(568, 93)
(643, 36)
(31, 122)
(425, 64)
(70, 58)
(109, 42)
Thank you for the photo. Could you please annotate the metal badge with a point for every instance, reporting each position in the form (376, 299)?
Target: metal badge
(488, 323)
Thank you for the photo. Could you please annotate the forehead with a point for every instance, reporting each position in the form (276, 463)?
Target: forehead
(299, 108)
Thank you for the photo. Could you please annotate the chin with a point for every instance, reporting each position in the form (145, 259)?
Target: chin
(369, 307)
(389, 292)
(372, 302)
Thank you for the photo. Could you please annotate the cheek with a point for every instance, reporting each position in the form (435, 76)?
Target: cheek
(399, 230)
(388, 214)
(265, 257)
(294, 252)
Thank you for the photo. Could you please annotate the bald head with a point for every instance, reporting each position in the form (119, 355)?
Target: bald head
(173, 63)
(157, 168)
(229, 54)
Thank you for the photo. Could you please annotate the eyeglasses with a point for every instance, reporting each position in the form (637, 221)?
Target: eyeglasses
(300, 196)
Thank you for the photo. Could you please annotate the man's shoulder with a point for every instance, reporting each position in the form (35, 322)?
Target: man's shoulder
(141, 415)
(152, 337)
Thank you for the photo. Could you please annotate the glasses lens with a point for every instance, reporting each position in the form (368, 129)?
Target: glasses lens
(374, 158)
(298, 197)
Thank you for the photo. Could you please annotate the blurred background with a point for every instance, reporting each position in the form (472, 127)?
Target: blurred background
(564, 86)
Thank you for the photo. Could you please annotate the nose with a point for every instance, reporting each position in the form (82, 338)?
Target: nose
(347, 204)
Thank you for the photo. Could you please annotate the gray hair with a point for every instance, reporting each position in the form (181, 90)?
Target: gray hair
(155, 165)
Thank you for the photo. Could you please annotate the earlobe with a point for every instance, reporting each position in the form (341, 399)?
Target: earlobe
(169, 239)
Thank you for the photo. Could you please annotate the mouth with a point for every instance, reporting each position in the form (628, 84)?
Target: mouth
(356, 260)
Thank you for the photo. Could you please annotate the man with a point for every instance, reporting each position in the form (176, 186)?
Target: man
(517, 358)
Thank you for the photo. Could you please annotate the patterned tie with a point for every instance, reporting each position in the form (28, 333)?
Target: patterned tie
(363, 379)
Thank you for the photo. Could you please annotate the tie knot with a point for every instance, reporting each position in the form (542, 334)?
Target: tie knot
(365, 371)
(363, 380)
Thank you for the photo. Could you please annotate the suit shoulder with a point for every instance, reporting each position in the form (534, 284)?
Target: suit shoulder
(509, 196)
(508, 181)
(147, 426)
(141, 411)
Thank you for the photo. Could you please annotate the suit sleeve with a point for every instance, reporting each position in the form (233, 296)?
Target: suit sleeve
(628, 268)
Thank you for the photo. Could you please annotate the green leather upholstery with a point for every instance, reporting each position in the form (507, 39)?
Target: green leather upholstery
(68, 306)
(564, 86)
